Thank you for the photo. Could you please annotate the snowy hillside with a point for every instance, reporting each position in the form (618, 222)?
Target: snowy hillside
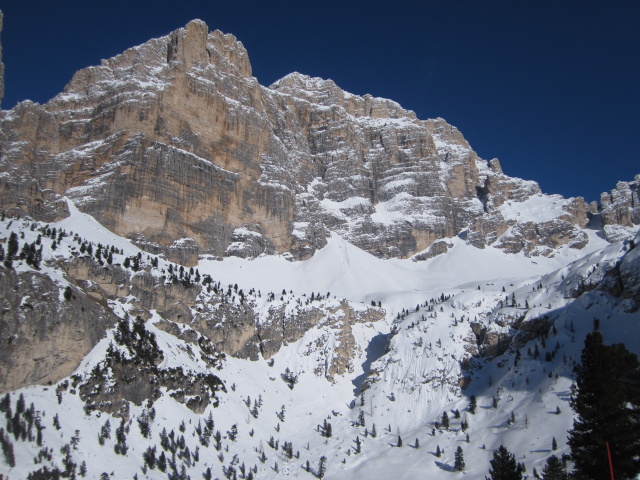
(388, 347)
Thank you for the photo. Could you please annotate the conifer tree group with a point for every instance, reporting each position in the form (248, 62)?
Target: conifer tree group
(606, 400)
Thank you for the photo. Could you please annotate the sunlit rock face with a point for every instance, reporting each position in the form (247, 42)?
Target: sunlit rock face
(175, 145)
(621, 209)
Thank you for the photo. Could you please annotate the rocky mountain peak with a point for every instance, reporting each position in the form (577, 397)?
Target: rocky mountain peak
(325, 93)
(194, 45)
(176, 146)
(189, 44)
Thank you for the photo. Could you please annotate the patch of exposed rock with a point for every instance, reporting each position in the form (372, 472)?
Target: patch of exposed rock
(439, 247)
(44, 336)
(118, 381)
(621, 208)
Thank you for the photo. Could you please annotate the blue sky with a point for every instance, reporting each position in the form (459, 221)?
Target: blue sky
(551, 88)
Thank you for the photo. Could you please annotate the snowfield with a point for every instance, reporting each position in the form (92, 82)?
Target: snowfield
(424, 358)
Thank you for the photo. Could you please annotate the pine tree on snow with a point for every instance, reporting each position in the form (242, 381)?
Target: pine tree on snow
(358, 448)
(445, 420)
(361, 420)
(504, 465)
(473, 404)
(322, 466)
(553, 469)
(459, 460)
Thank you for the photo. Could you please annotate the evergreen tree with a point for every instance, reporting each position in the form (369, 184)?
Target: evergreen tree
(327, 430)
(445, 420)
(399, 441)
(7, 449)
(162, 462)
(12, 249)
(56, 422)
(606, 400)
(553, 469)
(322, 466)
(464, 425)
(121, 440)
(554, 444)
(459, 460)
(233, 433)
(361, 420)
(12, 245)
(438, 452)
(21, 405)
(504, 465)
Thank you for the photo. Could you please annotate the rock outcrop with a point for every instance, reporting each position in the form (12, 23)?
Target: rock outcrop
(620, 209)
(54, 314)
(45, 336)
(175, 145)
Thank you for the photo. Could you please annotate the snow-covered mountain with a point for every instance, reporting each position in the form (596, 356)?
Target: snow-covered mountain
(471, 322)
(203, 276)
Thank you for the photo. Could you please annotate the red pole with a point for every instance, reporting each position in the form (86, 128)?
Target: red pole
(610, 462)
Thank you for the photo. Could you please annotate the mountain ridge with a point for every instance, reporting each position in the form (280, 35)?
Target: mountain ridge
(258, 169)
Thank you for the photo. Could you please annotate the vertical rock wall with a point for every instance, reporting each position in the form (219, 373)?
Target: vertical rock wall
(176, 146)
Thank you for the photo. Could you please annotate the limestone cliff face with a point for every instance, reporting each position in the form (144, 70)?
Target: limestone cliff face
(175, 145)
(161, 143)
(621, 208)
(44, 336)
